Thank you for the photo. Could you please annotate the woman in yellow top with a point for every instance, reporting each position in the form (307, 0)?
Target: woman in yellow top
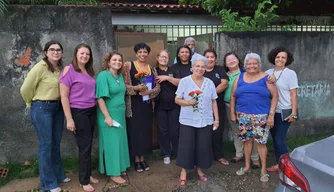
(40, 91)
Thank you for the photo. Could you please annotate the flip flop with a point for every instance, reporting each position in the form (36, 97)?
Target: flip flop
(241, 171)
(223, 161)
(265, 177)
(202, 177)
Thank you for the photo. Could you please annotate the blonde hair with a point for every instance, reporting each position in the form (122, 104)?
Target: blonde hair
(163, 50)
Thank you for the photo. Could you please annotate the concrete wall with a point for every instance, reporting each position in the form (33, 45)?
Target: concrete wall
(23, 33)
(314, 56)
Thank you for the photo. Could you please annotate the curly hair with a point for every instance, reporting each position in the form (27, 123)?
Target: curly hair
(106, 60)
(274, 52)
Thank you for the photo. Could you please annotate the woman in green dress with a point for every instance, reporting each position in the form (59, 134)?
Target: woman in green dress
(113, 143)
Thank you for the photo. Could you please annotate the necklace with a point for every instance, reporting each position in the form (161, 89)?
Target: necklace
(116, 78)
(138, 67)
(279, 74)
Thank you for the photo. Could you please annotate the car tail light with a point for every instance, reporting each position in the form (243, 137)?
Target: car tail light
(291, 176)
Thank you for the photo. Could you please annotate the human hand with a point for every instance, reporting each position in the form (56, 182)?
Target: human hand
(215, 125)
(145, 92)
(270, 121)
(191, 102)
(233, 117)
(70, 125)
(290, 119)
(140, 87)
(162, 78)
(272, 79)
(109, 121)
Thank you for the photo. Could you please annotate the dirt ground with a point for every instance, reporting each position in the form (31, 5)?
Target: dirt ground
(163, 177)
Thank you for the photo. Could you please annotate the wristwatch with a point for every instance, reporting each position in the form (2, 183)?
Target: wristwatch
(294, 116)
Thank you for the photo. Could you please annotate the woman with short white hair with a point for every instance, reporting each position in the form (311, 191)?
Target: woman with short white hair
(253, 104)
(197, 96)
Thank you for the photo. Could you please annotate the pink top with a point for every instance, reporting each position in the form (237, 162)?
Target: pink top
(82, 88)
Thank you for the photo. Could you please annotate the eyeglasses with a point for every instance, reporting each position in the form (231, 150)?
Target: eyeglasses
(163, 57)
(52, 50)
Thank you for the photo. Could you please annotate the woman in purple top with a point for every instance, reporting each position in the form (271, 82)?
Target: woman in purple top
(77, 91)
(255, 100)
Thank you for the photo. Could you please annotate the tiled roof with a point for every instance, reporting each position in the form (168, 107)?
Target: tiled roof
(152, 6)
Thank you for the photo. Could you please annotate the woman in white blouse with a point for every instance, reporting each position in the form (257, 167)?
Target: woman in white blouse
(199, 115)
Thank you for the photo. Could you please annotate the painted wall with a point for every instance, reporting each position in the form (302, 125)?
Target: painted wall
(314, 56)
(23, 33)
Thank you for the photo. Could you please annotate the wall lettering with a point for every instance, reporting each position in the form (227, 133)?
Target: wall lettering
(314, 89)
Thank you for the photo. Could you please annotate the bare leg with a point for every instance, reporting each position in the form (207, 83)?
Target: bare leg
(262, 149)
(183, 177)
(248, 150)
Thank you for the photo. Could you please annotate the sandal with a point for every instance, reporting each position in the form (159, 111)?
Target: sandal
(145, 166)
(241, 171)
(87, 188)
(273, 168)
(118, 180)
(236, 159)
(182, 182)
(138, 167)
(93, 180)
(255, 164)
(202, 177)
(223, 161)
(265, 177)
(123, 173)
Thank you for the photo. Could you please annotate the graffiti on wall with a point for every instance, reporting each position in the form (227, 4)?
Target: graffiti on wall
(314, 99)
(24, 60)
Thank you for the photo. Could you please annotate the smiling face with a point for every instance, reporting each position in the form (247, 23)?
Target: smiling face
(142, 55)
(280, 59)
(184, 55)
(54, 53)
(83, 56)
(199, 68)
(163, 58)
(211, 60)
(232, 62)
(252, 66)
(115, 62)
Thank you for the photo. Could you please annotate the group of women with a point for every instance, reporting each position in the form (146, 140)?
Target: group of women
(189, 100)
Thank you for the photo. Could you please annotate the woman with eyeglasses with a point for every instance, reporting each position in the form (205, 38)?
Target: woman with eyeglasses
(167, 111)
(40, 91)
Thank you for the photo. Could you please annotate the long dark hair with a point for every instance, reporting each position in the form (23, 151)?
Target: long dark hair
(89, 65)
(45, 59)
(177, 53)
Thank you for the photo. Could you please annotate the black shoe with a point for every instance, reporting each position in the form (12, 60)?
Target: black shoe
(138, 167)
(145, 166)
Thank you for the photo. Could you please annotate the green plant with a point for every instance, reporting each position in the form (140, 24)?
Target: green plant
(263, 17)
(3, 6)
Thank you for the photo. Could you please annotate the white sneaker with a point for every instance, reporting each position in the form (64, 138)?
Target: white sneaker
(166, 160)
(66, 180)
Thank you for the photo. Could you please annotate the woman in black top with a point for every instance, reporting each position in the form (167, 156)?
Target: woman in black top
(183, 66)
(167, 112)
(220, 79)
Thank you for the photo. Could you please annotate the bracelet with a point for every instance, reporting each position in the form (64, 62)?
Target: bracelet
(216, 121)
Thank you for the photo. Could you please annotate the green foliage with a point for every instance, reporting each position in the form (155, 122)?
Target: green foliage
(4, 3)
(262, 18)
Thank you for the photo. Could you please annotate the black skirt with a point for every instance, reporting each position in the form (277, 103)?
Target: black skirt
(195, 147)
